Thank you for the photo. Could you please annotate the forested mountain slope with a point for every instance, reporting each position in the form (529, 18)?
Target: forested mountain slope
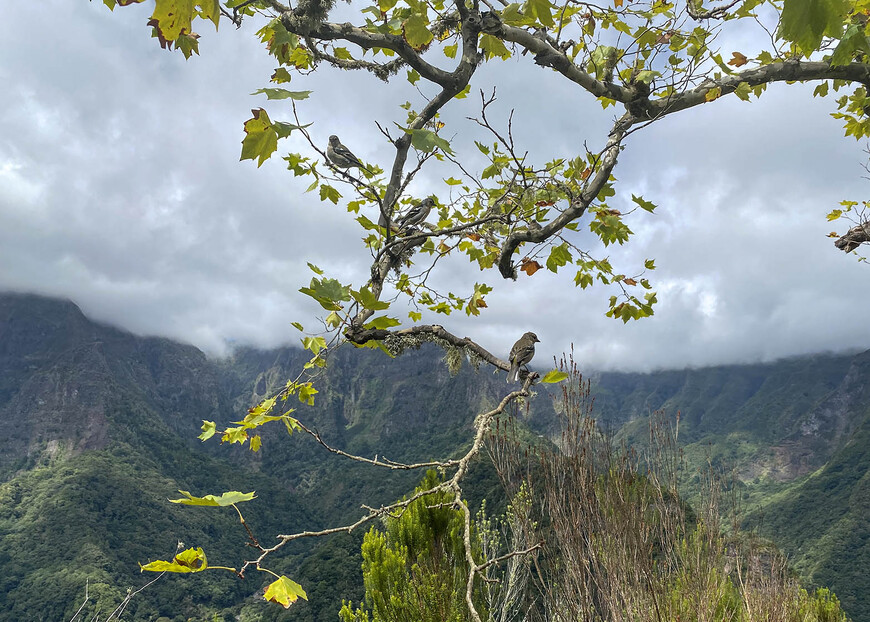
(100, 429)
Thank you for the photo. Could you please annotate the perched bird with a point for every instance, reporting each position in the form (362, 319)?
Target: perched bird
(521, 354)
(341, 156)
(416, 214)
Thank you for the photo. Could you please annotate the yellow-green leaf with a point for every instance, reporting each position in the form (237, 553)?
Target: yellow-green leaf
(172, 17)
(282, 94)
(493, 46)
(425, 140)
(542, 9)
(382, 322)
(712, 94)
(284, 591)
(228, 498)
(806, 22)
(261, 139)
(208, 430)
(416, 33)
(554, 376)
(368, 300)
(743, 90)
(190, 560)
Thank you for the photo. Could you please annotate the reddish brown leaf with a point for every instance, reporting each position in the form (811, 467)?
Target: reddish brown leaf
(481, 303)
(738, 59)
(530, 267)
(545, 203)
(614, 212)
(586, 173)
(629, 281)
(474, 236)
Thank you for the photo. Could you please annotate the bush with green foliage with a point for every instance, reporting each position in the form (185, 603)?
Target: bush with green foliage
(415, 569)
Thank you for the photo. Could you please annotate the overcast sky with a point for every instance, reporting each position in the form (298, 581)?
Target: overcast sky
(121, 189)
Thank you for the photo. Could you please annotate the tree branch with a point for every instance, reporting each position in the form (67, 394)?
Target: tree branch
(854, 238)
(383, 462)
(370, 40)
(575, 210)
(786, 71)
(550, 56)
(432, 331)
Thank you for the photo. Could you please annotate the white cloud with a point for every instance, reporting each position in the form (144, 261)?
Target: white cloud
(120, 188)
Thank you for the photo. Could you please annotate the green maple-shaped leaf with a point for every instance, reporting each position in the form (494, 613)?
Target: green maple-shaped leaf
(806, 22)
(854, 42)
(208, 430)
(190, 560)
(284, 591)
(368, 300)
(173, 17)
(314, 344)
(425, 140)
(542, 9)
(382, 322)
(328, 292)
(742, 91)
(188, 44)
(224, 500)
(235, 435)
(416, 33)
(261, 139)
(493, 46)
(559, 256)
(648, 205)
(210, 9)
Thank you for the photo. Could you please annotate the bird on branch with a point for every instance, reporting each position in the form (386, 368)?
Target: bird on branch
(416, 214)
(341, 156)
(521, 354)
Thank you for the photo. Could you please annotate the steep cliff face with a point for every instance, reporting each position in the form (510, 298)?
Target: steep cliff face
(61, 376)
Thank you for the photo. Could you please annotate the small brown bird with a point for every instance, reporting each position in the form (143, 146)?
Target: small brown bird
(341, 156)
(416, 214)
(521, 354)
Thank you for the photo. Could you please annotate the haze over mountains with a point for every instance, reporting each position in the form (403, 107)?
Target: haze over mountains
(100, 429)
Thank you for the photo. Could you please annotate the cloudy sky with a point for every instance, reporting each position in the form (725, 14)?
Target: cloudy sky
(121, 189)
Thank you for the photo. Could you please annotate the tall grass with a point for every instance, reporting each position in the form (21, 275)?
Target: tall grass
(618, 544)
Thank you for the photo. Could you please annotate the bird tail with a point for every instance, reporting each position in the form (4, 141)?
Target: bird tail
(513, 374)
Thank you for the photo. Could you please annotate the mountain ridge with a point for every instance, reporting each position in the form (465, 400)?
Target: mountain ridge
(86, 402)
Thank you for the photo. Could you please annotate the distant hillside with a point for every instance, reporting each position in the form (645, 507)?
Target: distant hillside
(797, 435)
(100, 429)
